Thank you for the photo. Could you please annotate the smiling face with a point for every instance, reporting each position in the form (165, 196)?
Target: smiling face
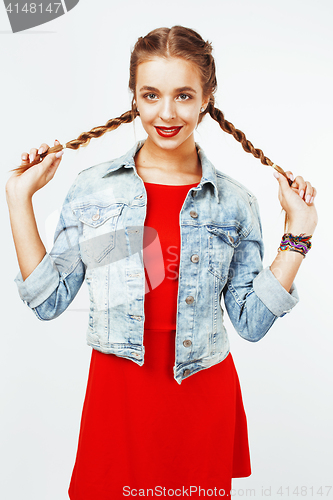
(169, 97)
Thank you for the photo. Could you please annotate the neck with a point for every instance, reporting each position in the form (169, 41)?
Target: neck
(183, 159)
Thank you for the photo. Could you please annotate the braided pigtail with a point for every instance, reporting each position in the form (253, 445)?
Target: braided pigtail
(84, 138)
(228, 127)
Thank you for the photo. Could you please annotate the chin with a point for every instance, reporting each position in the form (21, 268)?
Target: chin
(168, 143)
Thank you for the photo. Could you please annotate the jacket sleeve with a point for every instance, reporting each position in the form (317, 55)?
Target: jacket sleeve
(254, 298)
(54, 283)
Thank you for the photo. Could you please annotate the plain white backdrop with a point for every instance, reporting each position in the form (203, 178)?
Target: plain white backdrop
(274, 68)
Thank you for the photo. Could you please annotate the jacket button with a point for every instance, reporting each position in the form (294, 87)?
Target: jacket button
(194, 193)
(193, 214)
(95, 217)
(187, 343)
(195, 258)
(189, 299)
(138, 318)
(231, 239)
(186, 372)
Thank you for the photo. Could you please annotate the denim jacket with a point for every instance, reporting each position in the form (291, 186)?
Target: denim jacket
(99, 239)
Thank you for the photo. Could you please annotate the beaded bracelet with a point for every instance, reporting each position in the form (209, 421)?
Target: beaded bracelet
(300, 244)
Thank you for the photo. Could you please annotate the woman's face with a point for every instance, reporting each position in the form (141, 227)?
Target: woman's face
(169, 97)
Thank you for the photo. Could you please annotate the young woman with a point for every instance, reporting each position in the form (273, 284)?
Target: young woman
(160, 235)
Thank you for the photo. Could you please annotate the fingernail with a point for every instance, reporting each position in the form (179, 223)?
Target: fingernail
(32, 157)
(276, 174)
(24, 157)
(312, 198)
(301, 193)
(292, 177)
(40, 151)
(308, 198)
(60, 153)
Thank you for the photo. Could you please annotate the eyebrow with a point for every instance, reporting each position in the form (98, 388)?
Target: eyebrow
(180, 89)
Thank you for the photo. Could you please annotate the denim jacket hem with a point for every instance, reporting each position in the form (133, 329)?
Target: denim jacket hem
(34, 290)
(278, 301)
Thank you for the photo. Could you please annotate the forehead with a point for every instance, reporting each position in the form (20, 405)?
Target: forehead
(171, 72)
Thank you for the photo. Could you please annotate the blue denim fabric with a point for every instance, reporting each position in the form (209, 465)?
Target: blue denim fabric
(99, 239)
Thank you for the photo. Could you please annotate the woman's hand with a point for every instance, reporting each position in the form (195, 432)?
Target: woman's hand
(36, 177)
(298, 202)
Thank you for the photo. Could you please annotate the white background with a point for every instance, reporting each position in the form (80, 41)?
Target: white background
(274, 65)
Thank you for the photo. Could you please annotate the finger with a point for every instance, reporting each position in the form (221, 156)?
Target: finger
(49, 163)
(24, 158)
(308, 192)
(295, 184)
(294, 187)
(313, 195)
(283, 181)
(52, 160)
(301, 185)
(43, 147)
(32, 155)
(58, 158)
(52, 165)
(56, 143)
(290, 175)
(58, 153)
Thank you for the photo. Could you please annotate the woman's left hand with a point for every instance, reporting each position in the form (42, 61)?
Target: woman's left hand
(298, 201)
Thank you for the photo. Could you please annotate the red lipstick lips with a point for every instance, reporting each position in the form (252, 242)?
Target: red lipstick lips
(168, 131)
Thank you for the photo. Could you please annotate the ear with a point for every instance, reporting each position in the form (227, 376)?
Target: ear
(134, 104)
(205, 102)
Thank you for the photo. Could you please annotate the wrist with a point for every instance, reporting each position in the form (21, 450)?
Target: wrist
(300, 226)
(300, 222)
(297, 229)
(18, 199)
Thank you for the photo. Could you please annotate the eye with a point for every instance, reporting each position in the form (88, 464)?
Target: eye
(184, 97)
(151, 96)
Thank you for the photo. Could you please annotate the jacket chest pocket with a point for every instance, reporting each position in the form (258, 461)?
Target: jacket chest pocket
(99, 225)
(222, 242)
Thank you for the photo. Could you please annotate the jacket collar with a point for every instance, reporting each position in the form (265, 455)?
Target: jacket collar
(208, 169)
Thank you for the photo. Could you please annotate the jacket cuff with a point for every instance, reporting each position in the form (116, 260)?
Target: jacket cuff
(40, 284)
(275, 297)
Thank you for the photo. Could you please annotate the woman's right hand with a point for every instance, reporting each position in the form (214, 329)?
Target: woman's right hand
(36, 177)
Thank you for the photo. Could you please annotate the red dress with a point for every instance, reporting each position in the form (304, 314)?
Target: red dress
(140, 429)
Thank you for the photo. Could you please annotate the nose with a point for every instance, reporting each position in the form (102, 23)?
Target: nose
(167, 110)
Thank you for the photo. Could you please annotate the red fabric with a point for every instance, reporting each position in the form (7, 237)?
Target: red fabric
(140, 429)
